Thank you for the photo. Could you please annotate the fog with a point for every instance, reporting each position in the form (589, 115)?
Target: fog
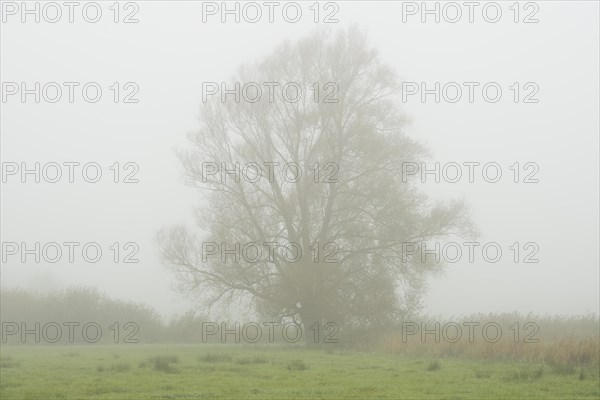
(171, 52)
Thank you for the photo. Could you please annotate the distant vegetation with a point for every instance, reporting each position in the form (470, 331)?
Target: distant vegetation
(565, 344)
(533, 354)
(83, 305)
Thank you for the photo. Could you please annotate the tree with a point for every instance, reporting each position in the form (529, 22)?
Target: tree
(345, 145)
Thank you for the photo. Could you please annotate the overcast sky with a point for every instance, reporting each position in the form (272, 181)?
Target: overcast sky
(170, 52)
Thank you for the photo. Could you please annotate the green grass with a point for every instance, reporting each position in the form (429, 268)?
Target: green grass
(243, 372)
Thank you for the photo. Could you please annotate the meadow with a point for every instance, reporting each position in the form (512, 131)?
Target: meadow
(209, 371)
(535, 357)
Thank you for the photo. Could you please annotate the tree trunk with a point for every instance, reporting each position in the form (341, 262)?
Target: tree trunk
(312, 327)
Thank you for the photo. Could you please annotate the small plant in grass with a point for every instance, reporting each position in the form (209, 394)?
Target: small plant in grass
(252, 360)
(243, 361)
(214, 358)
(296, 365)
(538, 372)
(563, 369)
(100, 368)
(482, 374)
(163, 363)
(120, 367)
(8, 362)
(433, 366)
(259, 360)
(526, 374)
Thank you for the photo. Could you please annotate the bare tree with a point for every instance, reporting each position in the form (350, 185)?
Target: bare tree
(347, 215)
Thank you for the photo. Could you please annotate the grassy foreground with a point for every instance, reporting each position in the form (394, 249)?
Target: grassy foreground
(238, 372)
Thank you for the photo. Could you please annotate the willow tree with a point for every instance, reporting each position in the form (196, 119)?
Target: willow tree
(310, 156)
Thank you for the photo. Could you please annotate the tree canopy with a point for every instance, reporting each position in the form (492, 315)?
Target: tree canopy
(347, 143)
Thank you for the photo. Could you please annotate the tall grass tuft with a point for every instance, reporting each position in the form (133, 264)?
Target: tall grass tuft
(433, 366)
(296, 365)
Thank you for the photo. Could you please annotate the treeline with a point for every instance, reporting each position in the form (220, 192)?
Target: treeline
(87, 316)
(84, 315)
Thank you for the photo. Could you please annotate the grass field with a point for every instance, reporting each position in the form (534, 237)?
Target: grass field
(241, 372)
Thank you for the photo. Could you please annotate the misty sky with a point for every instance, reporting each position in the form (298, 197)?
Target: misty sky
(171, 52)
